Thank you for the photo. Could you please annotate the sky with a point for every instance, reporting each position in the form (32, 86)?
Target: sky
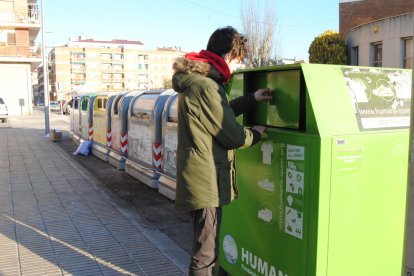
(184, 23)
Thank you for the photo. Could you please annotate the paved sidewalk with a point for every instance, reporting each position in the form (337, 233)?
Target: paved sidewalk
(54, 221)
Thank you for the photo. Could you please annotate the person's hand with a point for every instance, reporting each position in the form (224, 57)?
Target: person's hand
(263, 94)
(259, 129)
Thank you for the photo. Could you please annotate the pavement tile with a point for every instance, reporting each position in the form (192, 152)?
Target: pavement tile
(9, 271)
(83, 272)
(63, 225)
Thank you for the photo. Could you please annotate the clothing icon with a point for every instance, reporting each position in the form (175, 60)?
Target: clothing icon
(266, 215)
(266, 184)
(267, 149)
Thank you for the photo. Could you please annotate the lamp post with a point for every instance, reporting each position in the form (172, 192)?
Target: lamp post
(45, 71)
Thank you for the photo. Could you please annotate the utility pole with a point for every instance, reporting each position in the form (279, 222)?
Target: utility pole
(45, 71)
(408, 266)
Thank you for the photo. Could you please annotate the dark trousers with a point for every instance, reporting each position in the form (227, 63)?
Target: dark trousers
(206, 226)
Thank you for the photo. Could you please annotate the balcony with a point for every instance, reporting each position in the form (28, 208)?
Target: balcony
(112, 70)
(23, 18)
(78, 69)
(19, 50)
(20, 53)
(112, 80)
(78, 79)
(29, 15)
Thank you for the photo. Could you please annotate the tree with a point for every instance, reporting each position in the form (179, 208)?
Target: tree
(167, 83)
(328, 48)
(259, 27)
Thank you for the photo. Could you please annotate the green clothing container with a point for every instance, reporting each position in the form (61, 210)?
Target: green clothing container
(324, 192)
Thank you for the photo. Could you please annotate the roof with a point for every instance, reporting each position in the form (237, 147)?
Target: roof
(113, 41)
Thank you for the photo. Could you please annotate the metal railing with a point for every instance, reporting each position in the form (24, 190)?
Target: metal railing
(31, 14)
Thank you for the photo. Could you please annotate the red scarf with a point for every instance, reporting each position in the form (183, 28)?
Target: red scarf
(217, 61)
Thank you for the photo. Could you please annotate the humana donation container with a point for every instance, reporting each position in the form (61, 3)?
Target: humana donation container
(324, 191)
(167, 180)
(144, 141)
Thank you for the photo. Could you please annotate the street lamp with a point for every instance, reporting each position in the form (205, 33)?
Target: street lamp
(45, 71)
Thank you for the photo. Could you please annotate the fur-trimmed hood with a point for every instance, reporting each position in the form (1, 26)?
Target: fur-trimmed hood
(186, 71)
(184, 65)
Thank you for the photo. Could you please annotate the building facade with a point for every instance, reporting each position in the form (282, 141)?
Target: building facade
(19, 56)
(88, 65)
(353, 13)
(378, 33)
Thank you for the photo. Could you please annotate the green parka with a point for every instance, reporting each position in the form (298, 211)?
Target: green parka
(207, 136)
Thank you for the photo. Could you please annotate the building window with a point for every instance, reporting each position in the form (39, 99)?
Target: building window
(377, 54)
(355, 56)
(408, 53)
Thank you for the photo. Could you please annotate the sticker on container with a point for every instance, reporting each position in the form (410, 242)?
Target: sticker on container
(293, 222)
(294, 182)
(381, 99)
(267, 150)
(294, 185)
(295, 152)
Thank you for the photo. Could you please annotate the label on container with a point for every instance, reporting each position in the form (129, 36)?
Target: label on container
(381, 97)
(294, 171)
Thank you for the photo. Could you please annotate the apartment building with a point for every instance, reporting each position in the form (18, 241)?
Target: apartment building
(378, 33)
(19, 57)
(87, 65)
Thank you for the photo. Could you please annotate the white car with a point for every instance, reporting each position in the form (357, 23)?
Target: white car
(4, 113)
(54, 105)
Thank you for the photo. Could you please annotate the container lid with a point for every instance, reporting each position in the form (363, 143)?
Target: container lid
(145, 104)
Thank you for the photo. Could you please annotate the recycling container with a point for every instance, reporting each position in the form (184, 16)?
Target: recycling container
(144, 136)
(86, 130)
(167, 180)
(71, 119)
(324, 192)
(75, 132)
(118, 131)
(100, 127)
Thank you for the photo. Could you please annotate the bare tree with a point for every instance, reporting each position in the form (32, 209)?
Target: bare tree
(259, 26)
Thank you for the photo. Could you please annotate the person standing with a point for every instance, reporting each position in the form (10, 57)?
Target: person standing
(208, 133)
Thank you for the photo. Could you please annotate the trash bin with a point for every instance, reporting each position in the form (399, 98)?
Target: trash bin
(144, 131)
(71, 119)
(167, 180)
(86, 127)
(100, 126)
(75, 132)
(118, 131)
(324, 193)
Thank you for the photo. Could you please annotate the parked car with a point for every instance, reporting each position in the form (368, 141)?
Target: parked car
(4, 113)
(55, 106)
(67, 107)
